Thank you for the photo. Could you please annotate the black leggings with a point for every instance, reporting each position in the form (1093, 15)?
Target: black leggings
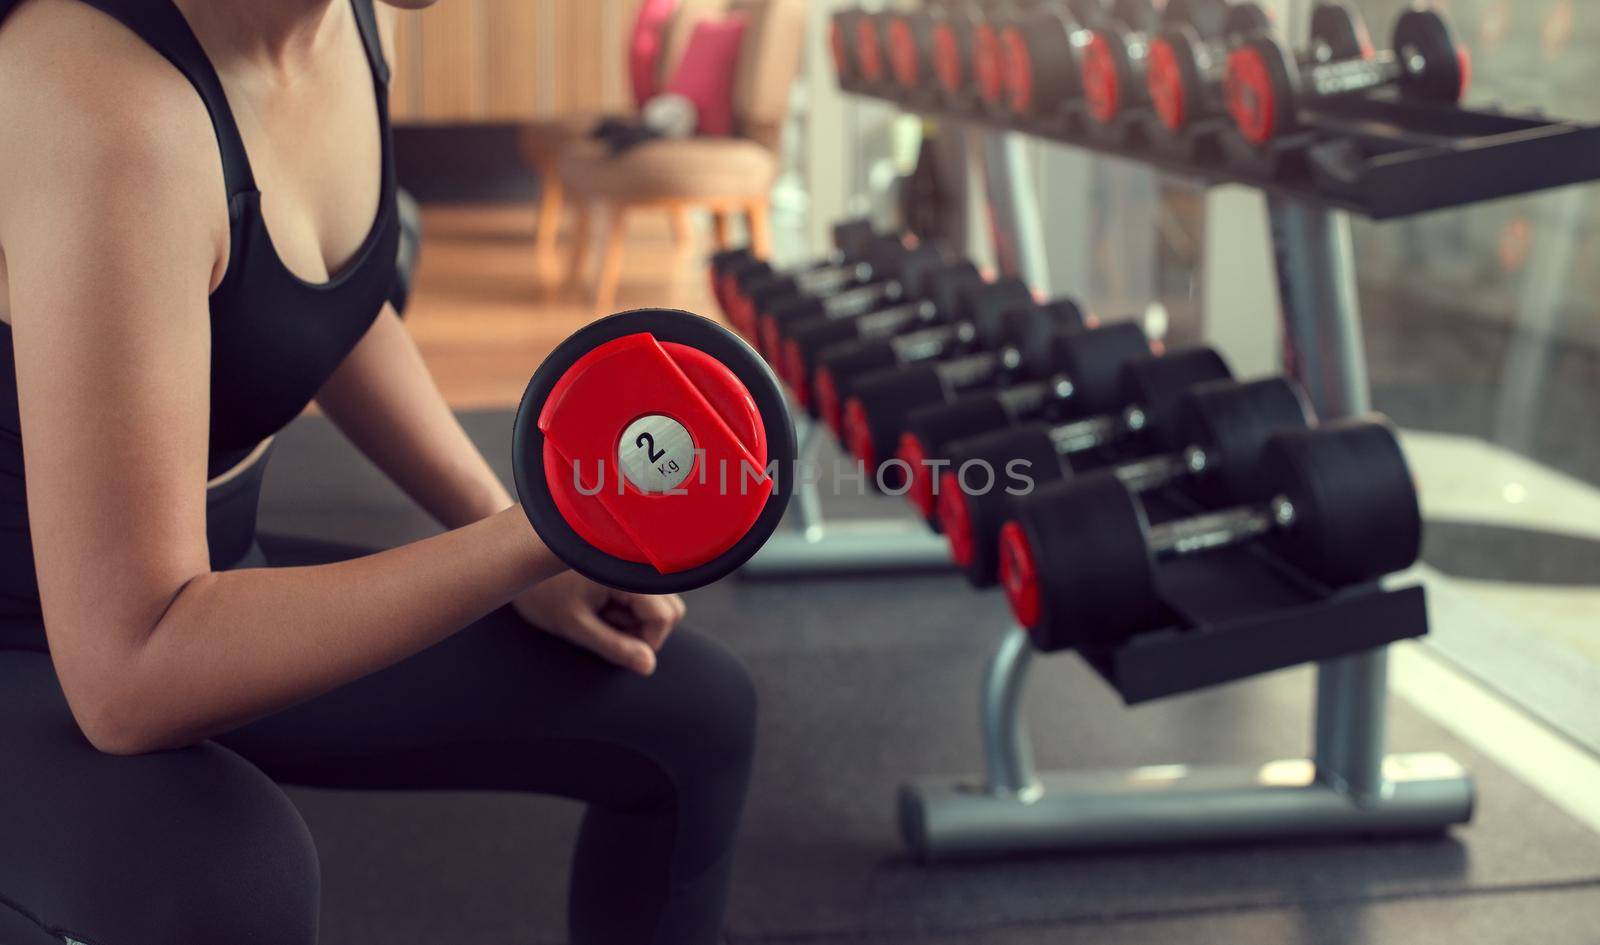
(201, 846)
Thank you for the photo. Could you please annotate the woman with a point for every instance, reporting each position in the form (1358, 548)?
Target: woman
(197, 237)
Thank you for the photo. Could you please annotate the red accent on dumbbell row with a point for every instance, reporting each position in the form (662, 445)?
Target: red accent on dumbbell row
(1166, 85)
(792, 368)
(716, 292)
(836, 45)
(768, 342)
(869, 51)
(947, 58)
(955, 519)
(1102, 91)
(1018, 70)
(1464, 57)
(583, 420)
(903, 54)
(1019, 574)
(986, 64)
(1251, 99)
(828, 406)
(858, 434)
(920, 479)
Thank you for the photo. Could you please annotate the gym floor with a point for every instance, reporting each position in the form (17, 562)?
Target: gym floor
(867, 683)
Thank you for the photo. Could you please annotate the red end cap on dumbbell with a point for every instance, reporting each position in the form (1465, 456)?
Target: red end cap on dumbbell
(986, 64)
(587, 423)
(768, 342)
(1019, 574)
(1252, 101)
(826, 390)
(1102, 89)
(869, 51)
(836, 44)
(1017, 70)
(858, 434)
(947, 58)
(903, 59)
(919, 479)
(792, 368)
(1166, 85)
(955, 519)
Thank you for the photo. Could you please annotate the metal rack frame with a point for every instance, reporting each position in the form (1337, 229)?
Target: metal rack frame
(812, 545)
(1349, 785)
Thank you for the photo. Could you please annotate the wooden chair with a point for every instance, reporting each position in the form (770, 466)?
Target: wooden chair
(543, 143)
(725, 176)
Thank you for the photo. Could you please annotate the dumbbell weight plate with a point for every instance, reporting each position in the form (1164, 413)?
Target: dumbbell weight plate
(931, 428)
(1094, 360)
(1356, 516)
(1437, 68)
(1259, 91)
(1338, 33)
(1076, 566)
(972, 519)
(1232, 423)
(1157, 387)
(622, 442)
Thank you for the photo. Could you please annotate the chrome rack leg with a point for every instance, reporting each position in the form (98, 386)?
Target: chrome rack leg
(812, 545)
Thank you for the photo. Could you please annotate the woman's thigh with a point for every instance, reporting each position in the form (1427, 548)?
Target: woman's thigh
(502, 705)
(194, 845)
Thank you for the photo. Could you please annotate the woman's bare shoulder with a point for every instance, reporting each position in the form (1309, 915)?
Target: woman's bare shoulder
(86, 105)
(73, 79)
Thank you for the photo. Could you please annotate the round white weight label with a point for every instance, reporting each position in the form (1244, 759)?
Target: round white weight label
(655, 453)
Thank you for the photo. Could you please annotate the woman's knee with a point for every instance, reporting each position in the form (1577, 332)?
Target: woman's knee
(719, 698)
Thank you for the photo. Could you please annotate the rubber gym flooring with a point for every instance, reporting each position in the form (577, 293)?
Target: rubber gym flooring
(867, 682)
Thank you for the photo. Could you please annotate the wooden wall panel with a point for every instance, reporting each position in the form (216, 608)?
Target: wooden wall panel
(511, 60)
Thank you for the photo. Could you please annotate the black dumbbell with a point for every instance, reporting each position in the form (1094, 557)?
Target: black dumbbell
(876, 412)
(1187, 73)
(911, 46)
(889, 276)
(900, 337)
(742, 278)
(1077, 374)
(1267, 89)
(1041, 69)
(808, 338)
(1338, 503)
(653, 451)
(1152, 390)
(1116, 55)
(955, 43)
(977, 306)
(842, 44)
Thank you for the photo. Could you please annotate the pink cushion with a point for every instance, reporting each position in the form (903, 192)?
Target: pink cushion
(705, 76)
(646, 47)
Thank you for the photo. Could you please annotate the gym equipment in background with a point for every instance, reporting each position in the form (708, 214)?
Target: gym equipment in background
(1152, 391)
(1080, 562)
(1268, 86)
(653, 451)
(1079, 374)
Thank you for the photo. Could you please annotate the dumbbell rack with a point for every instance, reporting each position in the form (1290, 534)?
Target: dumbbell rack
(812, 545)
(1376, 156)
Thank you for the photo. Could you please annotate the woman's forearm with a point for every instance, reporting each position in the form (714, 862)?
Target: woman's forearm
(384, 400)
(234, 646)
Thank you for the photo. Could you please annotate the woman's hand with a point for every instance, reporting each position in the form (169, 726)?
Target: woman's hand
(626, 629)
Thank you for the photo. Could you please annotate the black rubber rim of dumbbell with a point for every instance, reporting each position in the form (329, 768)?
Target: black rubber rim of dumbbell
(528, 471)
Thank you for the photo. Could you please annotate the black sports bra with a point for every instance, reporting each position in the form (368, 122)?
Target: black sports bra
(275, 338)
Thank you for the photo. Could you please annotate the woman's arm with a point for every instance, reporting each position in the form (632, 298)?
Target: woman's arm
(114, 231)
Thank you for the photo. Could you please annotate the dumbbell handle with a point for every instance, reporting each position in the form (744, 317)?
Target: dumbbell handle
(832, 277)
(863, 299)
(1352, 75)
(890, 320)
(1226, 528)
(932, 342)
(1083, 435)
